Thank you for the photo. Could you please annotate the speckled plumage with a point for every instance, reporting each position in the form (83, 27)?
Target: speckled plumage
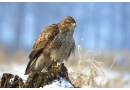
(56, 41)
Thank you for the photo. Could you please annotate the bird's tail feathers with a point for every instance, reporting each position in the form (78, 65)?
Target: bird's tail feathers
(30, 66)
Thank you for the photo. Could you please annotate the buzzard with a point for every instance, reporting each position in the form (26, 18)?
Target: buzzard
(54, 44)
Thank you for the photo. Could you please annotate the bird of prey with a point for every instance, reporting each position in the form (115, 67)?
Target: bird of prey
(54, 44)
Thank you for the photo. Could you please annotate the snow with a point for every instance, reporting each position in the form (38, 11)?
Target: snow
(62, 83)
(24, 77)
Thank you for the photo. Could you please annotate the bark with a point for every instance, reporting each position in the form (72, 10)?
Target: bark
(34, 80)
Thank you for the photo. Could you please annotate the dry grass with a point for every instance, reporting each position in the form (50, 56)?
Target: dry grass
(88, 72)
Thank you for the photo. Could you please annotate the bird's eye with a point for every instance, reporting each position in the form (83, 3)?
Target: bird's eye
(68, 22)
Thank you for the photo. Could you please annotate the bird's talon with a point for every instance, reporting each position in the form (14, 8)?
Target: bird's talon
(56, 66)
(53, 59)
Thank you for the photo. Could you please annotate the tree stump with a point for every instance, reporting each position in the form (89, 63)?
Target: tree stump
(34, 80)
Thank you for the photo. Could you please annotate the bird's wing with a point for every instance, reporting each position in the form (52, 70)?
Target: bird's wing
(42, 41)
(72, 47)
(46, 36)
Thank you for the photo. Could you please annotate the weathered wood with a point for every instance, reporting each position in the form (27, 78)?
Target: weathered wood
(6, 81)
(35, 80)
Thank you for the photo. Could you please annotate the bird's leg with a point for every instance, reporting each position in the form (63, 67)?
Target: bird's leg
(53, 59)
(55, 66)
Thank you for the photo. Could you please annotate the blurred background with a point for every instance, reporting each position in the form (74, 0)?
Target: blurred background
(103, 28)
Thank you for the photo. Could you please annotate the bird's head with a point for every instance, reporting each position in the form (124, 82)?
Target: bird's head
(67, 24)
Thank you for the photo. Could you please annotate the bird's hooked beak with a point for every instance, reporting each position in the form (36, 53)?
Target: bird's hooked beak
(73, 24)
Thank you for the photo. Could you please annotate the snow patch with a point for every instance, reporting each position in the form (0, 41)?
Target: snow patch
(62, 83)
(11, 80)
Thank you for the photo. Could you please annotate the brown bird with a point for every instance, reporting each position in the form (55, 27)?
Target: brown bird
(54, 44)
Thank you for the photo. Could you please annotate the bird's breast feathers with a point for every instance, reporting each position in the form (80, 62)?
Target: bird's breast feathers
(62, 52)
